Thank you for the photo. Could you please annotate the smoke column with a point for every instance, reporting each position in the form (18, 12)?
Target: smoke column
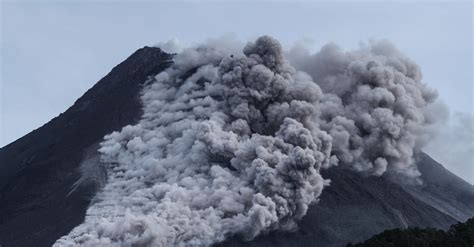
(232, 143)
(375, 105)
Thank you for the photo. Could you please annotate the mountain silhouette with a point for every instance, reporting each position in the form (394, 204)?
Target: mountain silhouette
(40, 200)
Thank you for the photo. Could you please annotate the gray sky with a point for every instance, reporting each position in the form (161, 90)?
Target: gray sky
(52, 52)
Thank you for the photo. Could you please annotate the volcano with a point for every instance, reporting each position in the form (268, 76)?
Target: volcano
(43, 195)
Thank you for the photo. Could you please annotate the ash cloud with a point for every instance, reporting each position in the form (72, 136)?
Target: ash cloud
(228, 145)
(171, 46)
(374, 105)
(232, 141)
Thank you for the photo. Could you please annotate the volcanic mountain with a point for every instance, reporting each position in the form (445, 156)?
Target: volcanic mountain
(44, 194)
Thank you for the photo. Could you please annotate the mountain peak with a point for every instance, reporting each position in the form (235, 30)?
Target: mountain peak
(38, 170)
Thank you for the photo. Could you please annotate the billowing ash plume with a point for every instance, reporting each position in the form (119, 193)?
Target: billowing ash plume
(374, 105)
(227, 145)
(232, 143)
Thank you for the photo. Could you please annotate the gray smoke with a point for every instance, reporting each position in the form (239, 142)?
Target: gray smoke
(232, 142)
(226, 146)
(374, 105)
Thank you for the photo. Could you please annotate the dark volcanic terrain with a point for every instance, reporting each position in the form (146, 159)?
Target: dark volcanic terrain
(38, 171)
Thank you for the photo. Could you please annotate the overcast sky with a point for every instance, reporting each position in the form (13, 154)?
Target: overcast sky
(52, 52)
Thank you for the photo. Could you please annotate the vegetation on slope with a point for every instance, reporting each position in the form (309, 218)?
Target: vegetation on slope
(461, 234)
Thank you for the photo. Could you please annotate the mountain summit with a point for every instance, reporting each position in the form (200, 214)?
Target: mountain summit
(39, 170)
(43, 194)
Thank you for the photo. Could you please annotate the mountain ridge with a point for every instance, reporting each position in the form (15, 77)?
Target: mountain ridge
(354, 208)
(38, 171)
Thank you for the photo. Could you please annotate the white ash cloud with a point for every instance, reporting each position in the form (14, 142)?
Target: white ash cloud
(171, 46)
(374, 105)
(226, 146)
(232, 141)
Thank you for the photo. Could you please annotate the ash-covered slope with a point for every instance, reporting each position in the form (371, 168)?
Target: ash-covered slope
(38, 170)
(355, 208)
(444, 190)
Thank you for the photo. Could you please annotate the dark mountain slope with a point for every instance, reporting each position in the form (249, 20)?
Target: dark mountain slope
(444, 190)
(354, 208)
(38, 170)
(459, 235)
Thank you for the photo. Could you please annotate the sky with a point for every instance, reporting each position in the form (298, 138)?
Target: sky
(51, 52)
